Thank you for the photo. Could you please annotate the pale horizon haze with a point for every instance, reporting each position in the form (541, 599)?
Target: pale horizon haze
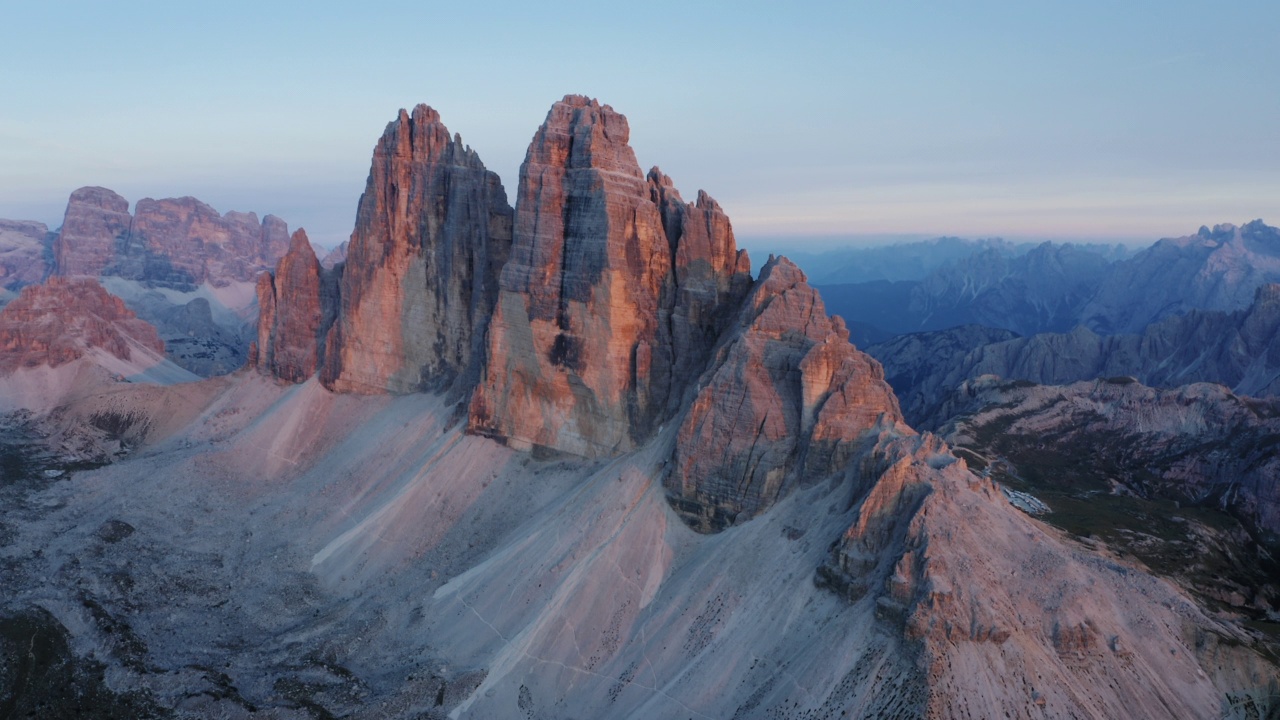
(809, 122)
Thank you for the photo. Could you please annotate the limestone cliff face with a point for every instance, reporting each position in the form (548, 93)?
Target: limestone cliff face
(63, 319)
(787, 399)
(432, 231)
(612, 297)
(174, 242)
(296, 309)
(96, 222)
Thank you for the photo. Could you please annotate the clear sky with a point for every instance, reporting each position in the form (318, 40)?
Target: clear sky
(1091, 120)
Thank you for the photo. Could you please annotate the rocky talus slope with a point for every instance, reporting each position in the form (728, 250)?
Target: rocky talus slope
(1189, 477)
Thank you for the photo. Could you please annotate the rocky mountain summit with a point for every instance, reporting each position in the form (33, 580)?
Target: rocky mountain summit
(296, 308)
(615, 291)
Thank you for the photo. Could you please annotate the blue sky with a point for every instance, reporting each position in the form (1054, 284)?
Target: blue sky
(1091, 120)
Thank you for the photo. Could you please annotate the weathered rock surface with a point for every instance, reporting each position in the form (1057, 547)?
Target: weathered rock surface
(432, 232)
(1239, 349)
(1010, 620)
(63, 319)
(297, 306)
(1216, 269)
(583, 357)
(788, 399)
(24, 246)
(175, 242)
(1187, 480)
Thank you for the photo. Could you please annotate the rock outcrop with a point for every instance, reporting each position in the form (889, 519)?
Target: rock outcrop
(177, 242)
(432, 232)
(23, 246)
(297, 306)
(787, 399)
(582, 356)
(64, 319)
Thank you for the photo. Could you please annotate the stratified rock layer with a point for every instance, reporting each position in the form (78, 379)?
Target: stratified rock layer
(613, 295)
(788, 399)
(62, 320)
(296, 309)
(174, 242)
(432, 231)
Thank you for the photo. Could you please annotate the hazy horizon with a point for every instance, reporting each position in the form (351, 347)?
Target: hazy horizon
(1090, 122)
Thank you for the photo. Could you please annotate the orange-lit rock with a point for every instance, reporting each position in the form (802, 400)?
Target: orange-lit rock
(296, 308)
(432, 231)
(63, 319)
(787, 399)
(612, 299)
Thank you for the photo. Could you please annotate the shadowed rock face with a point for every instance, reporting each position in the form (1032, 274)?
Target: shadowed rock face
(1239, 349)
(296, 309)
(432, 231)
(22, 253)
(57, 322)
(613, 295)
(787, 399)
(174, 242)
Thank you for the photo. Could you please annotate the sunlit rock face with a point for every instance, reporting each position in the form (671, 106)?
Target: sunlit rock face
(787, 399)
(296, 308)
(174, 242)
(612, 297)
(63, 319)
(432, 231)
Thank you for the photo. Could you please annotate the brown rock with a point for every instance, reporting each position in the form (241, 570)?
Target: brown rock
(432, 231)
(62, 320)
(788, 399)
(296, 310)
(175, 242)
(613, 297)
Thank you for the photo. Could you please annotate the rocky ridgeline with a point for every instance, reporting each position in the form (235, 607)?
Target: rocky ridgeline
(1239, 349)
(63, 319)
(174, 242)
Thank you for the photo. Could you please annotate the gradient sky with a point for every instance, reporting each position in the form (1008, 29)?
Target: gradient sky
(1090, 120)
